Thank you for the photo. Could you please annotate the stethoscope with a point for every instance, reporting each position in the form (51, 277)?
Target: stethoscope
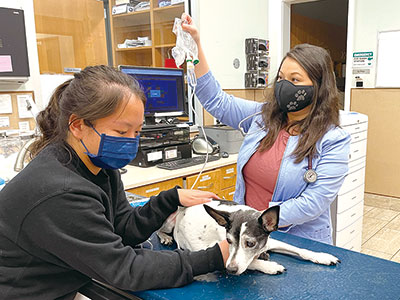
(310, 175)
(245, 119)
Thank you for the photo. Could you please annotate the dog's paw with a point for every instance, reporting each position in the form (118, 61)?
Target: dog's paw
(264, 256)
(165, 239)
(322, 258)
(270, 267)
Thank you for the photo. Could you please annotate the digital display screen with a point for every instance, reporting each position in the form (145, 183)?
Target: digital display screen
(164, 88)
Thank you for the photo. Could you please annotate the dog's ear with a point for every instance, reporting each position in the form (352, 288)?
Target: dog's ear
(222, 217)
(269, 219)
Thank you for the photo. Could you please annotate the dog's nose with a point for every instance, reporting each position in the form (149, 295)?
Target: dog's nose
(233, 269)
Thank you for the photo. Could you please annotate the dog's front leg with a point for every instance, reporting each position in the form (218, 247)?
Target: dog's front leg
(315, 257)
(166, 228)
(267, 267)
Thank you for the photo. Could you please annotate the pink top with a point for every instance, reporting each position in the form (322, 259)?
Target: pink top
(261, 172)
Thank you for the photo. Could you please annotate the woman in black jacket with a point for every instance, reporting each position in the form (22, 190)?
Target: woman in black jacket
(65, 219)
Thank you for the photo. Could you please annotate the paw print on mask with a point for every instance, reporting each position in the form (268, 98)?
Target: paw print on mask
(292, 105)
(300, 95)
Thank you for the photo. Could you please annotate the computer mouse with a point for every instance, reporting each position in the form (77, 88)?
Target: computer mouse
(224, 154)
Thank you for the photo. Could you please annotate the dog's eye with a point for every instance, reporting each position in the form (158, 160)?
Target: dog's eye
(250, 244)
(229, 241)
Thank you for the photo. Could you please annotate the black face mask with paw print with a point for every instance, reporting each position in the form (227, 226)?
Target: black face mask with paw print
(292, 97)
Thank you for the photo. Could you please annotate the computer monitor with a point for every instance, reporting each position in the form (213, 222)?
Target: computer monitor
(164, 89)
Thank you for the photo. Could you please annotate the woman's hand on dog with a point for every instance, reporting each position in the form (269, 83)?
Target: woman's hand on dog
(194, 197)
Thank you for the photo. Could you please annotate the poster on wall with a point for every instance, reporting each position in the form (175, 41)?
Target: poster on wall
(363, 59)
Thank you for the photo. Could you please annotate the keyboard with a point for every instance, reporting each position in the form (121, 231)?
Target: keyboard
(186, 162)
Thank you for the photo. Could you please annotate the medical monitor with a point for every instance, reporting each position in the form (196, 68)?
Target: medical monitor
(164, 89)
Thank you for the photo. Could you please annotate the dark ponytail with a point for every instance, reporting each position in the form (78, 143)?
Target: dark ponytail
(47, 121)
(94, 93)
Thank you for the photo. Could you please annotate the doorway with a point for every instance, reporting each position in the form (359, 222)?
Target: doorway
(323, 23)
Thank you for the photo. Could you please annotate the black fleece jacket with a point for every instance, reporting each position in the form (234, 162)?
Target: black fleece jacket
(60, 226)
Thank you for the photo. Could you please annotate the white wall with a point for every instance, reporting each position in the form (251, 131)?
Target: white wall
(279, 33)
(370, 17)
(224, 25)
(33, 84)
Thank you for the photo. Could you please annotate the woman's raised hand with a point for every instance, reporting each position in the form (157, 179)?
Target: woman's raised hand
(189, 26)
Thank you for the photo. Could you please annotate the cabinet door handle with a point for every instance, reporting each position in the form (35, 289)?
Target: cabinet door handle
(354, 180)
(354, 198)
(353, 215)
(152, 190)
(205, 187)
(229, 177)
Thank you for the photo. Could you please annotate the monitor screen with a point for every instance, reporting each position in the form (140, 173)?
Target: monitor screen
(163, 87)
(13, 50)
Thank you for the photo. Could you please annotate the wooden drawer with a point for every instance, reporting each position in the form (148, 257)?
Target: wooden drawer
(156, 188)
(349, 233)
(356, 127)
(349, 199)
(352, 181)
(208, 181)
(227, 194)
(349, 216)
(228, 176)
(354, 244)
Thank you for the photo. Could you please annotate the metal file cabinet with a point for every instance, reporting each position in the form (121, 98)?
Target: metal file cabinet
(347, 209)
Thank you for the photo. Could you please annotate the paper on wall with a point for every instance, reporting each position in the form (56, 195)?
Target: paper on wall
(5, 63)
(24, 126)
(5, 104)
(23, 111)
(4, 122)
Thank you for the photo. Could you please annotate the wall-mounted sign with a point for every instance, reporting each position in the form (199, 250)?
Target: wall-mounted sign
(363, 59)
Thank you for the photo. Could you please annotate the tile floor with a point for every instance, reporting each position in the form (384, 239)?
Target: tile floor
(381, 227)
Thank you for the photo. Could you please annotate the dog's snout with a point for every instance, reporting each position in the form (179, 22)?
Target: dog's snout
(232, 268)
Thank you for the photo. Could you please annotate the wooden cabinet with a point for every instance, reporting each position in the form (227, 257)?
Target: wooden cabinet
(155, 23)
(156, 188)
(208, 181)
(228, 181)
(220, 181)
(69, 34)
(347, 209)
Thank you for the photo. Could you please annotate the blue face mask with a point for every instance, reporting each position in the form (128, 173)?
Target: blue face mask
(114, 152)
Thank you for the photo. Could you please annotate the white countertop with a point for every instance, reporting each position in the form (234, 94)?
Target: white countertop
(137, 176)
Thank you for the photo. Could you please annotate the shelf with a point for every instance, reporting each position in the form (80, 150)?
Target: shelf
(135, 13)
(166, 45)
(168, 13)
(155, 23)
(170, 8)
(136, 18)
(134, 49)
